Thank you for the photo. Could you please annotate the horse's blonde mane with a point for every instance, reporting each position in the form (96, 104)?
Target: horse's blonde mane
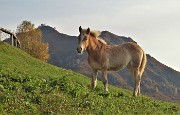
(96, 35)
(101, 40)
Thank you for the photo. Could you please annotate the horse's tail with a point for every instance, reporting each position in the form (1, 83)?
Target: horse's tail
(143, 63)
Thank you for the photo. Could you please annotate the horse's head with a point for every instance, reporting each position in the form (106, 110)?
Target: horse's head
(83, 39)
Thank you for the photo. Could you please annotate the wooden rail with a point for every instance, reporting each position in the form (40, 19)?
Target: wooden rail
(14, 40)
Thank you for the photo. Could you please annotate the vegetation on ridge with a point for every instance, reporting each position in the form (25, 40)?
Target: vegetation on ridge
(31, 41)
(30, 86)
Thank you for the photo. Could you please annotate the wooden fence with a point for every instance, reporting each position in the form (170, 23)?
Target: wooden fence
(14, 40)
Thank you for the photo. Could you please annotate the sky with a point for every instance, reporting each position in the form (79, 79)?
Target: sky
(154, 24)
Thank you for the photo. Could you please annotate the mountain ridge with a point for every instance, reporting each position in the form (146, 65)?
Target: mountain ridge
(159, 81)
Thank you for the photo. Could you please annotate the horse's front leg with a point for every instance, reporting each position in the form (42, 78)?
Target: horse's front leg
(94, 78)
(105, 80)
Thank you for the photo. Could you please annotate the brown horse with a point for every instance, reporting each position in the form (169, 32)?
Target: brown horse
(111, 57)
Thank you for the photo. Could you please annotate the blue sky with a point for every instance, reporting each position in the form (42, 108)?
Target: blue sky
(154, 24)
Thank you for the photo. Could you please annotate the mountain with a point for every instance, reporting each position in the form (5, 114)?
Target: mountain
(159, 81)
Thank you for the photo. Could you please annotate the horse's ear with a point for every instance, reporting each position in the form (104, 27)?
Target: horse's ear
(80, 29)
(88, 31)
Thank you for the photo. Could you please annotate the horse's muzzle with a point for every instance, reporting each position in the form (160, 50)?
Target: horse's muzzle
(79, 49)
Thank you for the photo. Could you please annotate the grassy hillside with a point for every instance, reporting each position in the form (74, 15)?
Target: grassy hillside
(30, 86)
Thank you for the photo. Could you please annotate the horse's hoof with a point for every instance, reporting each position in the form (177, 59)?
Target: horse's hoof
(106, 90)
(134, 95)
(93, 87)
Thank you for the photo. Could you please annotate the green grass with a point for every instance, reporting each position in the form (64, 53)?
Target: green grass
(30, 86)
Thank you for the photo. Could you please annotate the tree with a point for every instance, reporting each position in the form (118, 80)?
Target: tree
(31, 40)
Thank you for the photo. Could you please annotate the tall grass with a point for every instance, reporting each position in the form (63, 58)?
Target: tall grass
(30, 86)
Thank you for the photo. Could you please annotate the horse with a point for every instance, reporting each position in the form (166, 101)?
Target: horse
(104, 57)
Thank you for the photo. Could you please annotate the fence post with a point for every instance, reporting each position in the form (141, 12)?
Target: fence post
(12, 40)
(15, 42)
(0, 34)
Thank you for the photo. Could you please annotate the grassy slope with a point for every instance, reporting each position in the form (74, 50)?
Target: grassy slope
(30, 86)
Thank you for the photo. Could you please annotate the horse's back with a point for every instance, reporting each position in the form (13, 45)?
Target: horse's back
(136, 53)
(125, 50)
(119, 56)
(132, 47)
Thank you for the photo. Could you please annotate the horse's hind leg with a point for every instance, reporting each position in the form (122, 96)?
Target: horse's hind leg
(134, 74)
(105, 80)
(137, 80)
(94, 78)
(139, 92)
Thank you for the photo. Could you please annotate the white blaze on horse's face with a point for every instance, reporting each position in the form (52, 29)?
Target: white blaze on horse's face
(82, 40)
